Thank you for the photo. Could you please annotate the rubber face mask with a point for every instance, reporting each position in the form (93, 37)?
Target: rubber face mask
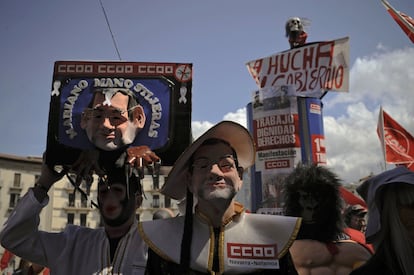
(117, 194)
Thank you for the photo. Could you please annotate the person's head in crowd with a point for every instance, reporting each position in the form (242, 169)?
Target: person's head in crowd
(312, 192)
(390, 228)
(119, 196)
(354, 217)
(163, 213)
(113, 118)
(220, 154)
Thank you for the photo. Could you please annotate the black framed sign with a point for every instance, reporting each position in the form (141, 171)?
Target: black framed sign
(83, 99)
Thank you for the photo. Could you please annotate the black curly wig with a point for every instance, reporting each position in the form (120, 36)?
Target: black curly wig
(322, 185)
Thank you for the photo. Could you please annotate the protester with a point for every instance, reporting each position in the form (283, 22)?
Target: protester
(218, 237)
(163, 213)
(116, 248)
(390, 228)
(312, 192)
(354, 217)
(355, 225)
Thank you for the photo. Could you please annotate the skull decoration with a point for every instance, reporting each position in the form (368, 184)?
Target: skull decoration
(293, 24)
(295, 32)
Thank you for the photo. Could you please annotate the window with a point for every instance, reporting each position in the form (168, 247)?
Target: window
(14, 198)
(83, 219)
(71, 218)
(167, 202)
(156, 201)
(71, 199)
(84, 201)
(17, 179)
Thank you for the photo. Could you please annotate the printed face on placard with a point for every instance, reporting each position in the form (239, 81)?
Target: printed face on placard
(107, 118)
(110, 123)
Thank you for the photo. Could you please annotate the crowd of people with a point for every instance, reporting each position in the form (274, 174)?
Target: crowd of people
(214, 234)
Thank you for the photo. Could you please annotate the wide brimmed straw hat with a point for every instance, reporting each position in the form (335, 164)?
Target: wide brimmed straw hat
(235, 134)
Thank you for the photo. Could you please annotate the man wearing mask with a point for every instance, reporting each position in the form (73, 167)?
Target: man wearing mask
(115, 248)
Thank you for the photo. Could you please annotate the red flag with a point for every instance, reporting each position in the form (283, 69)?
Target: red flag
(404, 21)
(350, 198)
(5, 259)
(397, 143)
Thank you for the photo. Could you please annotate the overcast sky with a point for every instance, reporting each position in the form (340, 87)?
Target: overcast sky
(218, 37)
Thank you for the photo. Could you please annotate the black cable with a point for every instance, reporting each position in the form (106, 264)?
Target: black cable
(80, 190)
(110, 30)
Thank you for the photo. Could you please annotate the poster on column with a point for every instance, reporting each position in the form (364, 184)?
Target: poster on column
(275, 128)
(315, 67)
(91, 97)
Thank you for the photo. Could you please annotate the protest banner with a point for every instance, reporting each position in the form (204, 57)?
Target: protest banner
(162, 89)
(317, 66)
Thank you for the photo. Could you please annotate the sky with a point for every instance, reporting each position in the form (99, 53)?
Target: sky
(218, 38)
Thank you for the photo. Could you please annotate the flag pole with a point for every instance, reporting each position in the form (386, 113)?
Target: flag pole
(382, 135)
(397, 13)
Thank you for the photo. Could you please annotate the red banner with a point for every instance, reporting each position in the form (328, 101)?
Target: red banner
(405, 22)
(397, 143)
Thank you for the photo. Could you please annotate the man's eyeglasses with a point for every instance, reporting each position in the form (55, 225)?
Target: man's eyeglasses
(225, 163)
(115, 115)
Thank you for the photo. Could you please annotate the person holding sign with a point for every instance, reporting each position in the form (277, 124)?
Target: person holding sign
(115, 248)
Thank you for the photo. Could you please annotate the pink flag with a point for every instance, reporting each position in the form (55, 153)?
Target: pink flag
(397, 143)
(404, 21)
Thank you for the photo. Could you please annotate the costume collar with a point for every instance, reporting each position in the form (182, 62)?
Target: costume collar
(247, 243)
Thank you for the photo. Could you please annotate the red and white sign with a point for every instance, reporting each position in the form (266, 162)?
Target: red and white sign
(253, 255)
(313, 67)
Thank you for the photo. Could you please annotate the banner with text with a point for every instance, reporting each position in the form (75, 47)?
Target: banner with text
(275, 128)
(287, 129)
(319, 66)
(162, 89)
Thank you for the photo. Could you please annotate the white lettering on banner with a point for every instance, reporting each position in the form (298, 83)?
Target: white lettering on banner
(156, 108)
(68, 107)
(390, 136)
(275, 130)
(318, 66)
(158, 69)
(115, 68)
(288, 152)
(275, 120)
(276, 164)
(319, 149)
(75, 68)
(113, 83)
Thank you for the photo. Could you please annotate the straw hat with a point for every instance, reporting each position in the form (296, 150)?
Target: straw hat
(235, 134)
